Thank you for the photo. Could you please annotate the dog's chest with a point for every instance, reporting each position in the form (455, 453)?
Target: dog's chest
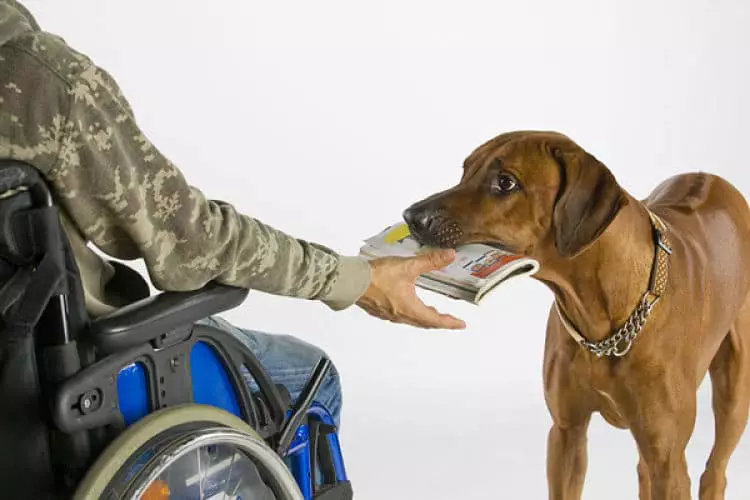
(597, 379)
(610, 411)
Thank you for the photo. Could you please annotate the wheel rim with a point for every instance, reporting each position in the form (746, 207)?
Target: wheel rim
(136, 459)
(210, 463)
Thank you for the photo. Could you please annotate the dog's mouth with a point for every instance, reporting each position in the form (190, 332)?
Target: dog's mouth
(450, 235)
(438, 229)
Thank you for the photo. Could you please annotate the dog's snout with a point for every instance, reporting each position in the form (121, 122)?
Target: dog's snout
(418, 218)
(430, 226)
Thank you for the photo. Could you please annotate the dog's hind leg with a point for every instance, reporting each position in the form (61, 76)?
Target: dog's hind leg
(730, 380)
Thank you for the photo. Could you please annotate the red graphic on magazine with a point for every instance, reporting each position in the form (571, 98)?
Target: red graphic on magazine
(491, 263)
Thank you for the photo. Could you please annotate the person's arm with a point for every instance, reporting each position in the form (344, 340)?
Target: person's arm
(69, 119)
(131, 201)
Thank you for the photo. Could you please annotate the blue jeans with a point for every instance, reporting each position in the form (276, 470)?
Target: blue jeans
(289, 361)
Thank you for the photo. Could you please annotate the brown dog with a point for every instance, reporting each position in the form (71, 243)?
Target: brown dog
(649, 296)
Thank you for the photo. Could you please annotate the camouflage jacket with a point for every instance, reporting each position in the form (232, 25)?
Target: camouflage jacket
(67, 117)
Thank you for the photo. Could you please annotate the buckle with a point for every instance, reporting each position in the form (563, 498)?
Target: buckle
(660, 241)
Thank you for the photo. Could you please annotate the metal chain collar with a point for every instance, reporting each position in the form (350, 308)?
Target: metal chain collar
(619, 343)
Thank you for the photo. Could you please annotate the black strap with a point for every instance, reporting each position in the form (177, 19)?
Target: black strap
(43, 284)
(14, 289)
(35, 286)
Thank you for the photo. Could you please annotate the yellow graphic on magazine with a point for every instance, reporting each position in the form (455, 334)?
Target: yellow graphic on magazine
(397, 234)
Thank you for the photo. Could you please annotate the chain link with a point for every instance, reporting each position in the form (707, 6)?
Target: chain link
(619, 343)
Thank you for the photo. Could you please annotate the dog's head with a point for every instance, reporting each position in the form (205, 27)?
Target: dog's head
(527, 192)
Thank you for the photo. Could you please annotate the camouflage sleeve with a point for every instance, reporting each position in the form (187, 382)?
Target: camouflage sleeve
(131, 201)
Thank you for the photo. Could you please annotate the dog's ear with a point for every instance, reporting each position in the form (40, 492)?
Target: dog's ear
(587, 202)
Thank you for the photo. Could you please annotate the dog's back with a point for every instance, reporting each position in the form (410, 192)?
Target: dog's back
(709, 224)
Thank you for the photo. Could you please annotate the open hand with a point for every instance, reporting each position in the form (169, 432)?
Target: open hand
(392, 294)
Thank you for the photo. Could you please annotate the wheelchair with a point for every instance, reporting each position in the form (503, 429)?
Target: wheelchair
(143, 403)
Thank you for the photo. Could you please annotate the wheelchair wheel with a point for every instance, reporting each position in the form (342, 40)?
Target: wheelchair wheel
(189, 452)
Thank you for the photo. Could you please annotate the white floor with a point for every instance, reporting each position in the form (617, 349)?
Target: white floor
(436, 415)
(496, 450)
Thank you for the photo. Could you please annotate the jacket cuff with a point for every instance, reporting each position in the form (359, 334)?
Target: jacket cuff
(351, 282)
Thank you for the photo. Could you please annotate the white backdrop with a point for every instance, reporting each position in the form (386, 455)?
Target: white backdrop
(326, 119)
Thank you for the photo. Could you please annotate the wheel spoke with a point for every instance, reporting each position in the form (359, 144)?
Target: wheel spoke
(229, 474)
(200, 474)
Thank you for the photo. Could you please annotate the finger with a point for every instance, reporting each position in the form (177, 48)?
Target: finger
(430, 317)
(442, 322)
(433, 260)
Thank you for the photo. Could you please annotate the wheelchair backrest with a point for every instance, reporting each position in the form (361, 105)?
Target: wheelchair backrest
(51, 353)
(41, 312)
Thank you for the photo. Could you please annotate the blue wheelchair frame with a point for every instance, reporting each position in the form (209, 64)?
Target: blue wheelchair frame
(71, 384)
(302, 450)
(212, 386)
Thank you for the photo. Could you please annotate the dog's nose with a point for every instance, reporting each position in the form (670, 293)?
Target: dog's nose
(418, 219)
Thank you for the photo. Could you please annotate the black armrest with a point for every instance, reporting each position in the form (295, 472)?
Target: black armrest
(146, 319)
(15, 174)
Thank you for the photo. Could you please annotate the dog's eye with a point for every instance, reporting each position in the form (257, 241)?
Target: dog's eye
(504, 183)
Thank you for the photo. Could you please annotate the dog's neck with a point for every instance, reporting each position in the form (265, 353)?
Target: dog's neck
(591, 289)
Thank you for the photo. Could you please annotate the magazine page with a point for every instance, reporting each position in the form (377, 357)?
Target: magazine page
(449, 290)
(395, 240)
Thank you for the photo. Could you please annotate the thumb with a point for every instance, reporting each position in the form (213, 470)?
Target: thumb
(434, 260)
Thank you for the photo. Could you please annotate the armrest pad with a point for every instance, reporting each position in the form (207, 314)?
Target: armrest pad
(146, 319)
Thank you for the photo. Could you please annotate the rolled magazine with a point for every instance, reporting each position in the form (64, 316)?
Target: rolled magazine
(475, 272)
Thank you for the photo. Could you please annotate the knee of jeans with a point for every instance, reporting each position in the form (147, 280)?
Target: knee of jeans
(333, 386)
(333, 373)
(331, 396)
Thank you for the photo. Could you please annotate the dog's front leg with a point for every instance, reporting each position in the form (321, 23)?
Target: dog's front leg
(662, 431)
(567, 459)
(571, 411)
